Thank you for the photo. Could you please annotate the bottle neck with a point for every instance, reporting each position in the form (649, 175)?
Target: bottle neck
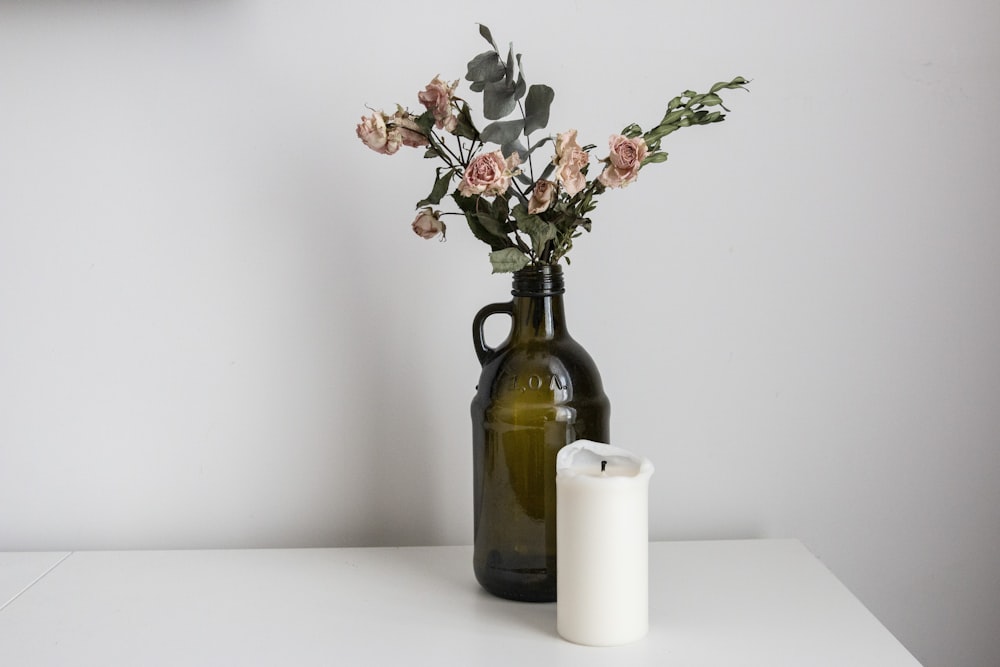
(538, 304)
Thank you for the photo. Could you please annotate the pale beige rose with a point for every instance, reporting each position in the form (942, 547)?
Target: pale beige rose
(624, 161)
(437, 97)
(489, 174)
(409, 132)
(541, 196)
(428, 224)
(570, 159)
(375, 134)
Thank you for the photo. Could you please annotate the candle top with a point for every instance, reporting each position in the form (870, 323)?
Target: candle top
(586, 458)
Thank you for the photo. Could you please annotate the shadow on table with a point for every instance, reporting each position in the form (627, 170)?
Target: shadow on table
(448, 572)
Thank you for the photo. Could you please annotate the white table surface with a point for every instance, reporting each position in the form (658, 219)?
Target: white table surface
(747, 602)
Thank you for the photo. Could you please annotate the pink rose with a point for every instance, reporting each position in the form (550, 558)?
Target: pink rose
(489, 174)
(570, 159)
(428, 224)
(437, 97)
(541, 196)
(624, 161)
(374, 132)
(409, 132)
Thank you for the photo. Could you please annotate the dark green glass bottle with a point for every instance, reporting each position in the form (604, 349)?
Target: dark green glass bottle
(538, 391)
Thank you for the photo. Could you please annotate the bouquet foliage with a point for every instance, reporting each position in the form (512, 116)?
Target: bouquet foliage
(525, 218)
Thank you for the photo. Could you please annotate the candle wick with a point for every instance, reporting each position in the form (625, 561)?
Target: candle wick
(604, 465)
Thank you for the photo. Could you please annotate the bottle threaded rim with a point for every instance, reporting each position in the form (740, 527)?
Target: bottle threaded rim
(541, 280)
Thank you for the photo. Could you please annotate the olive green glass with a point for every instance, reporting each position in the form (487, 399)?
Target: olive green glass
(538, 391)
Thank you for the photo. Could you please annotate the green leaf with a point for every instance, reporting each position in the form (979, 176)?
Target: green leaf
(492, 225)
(498, 100)
(465, 126)
(508, 260)
(425, 121)
(486, 67)
(710, 100)
(503, 131)
(673, 116)
(738, 82)
(632, 131)
(536, 107)
(540, 231)
(485, 32)
(488, 220)
(470, 207)
(659, 132)
(655, 158)
(480, 232)
(440, 187)
(500, 209)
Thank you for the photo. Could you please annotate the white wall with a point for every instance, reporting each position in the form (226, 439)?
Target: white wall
(217, 330)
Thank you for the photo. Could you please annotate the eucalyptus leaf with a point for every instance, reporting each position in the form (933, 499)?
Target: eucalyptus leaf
(503, 131)
(549, 168)
(498, 100)
(486, 67)
(515, 146)
(508, 260)
(536, 107)
(541, 143)
(519, 87)
(485, 32)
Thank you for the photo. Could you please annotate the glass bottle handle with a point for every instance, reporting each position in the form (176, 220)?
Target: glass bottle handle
(484, 351)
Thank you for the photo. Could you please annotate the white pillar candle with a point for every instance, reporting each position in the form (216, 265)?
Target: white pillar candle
(602, 544)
